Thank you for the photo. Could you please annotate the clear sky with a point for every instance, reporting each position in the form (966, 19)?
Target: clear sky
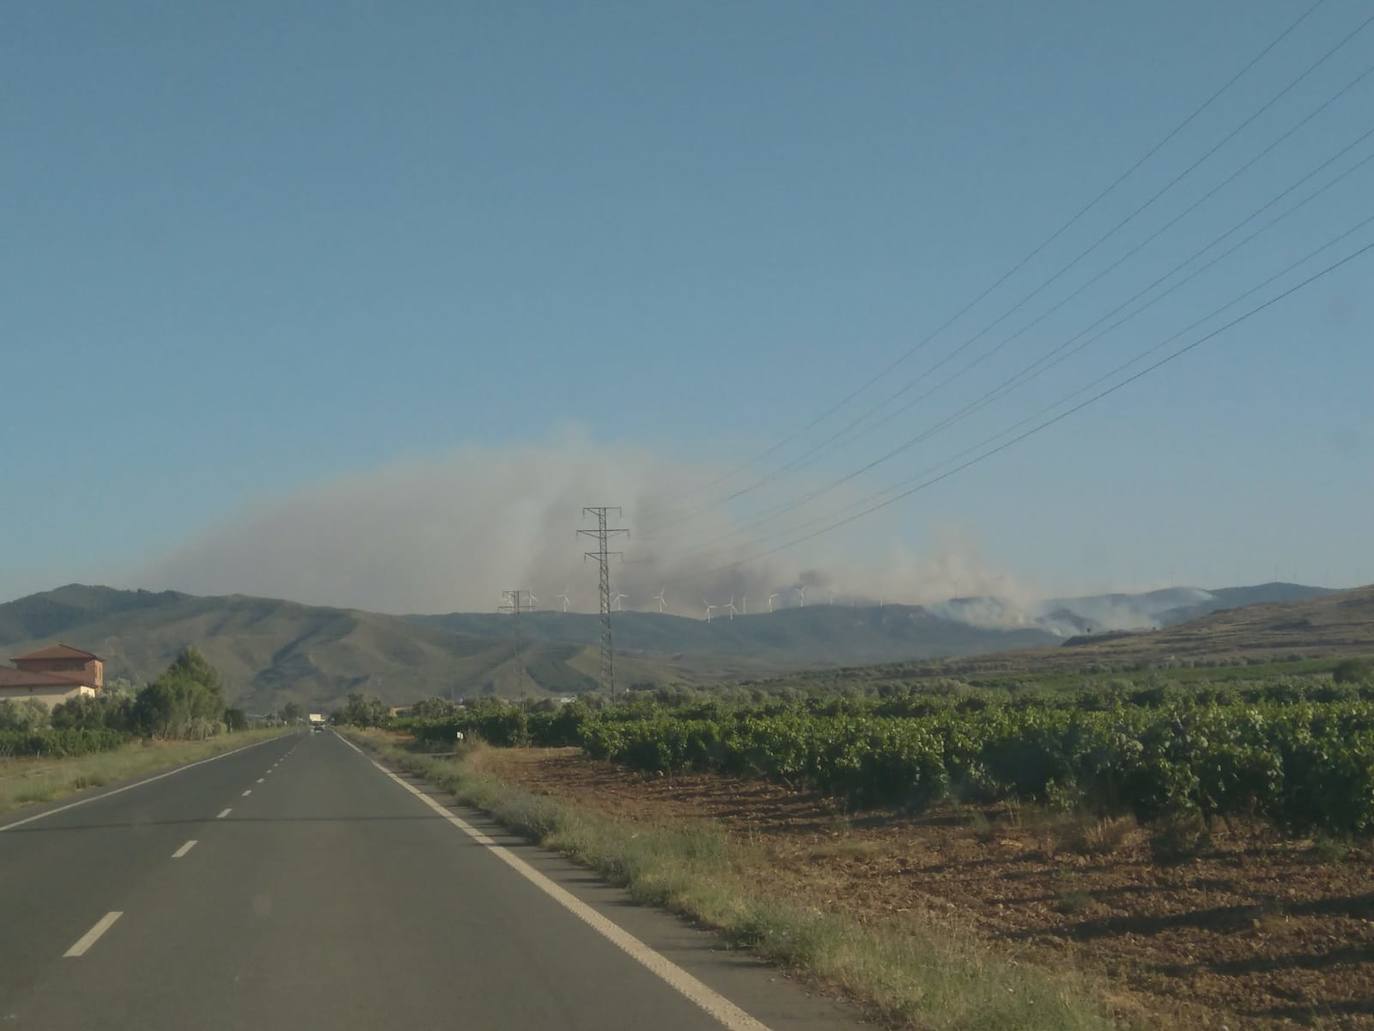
(252, 248)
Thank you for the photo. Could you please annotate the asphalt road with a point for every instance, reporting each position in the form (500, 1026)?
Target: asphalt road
(323, 892)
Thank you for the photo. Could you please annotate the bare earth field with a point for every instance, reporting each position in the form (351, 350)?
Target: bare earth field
(1255, 932)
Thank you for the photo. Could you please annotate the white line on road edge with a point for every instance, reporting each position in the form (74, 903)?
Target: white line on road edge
(184, 849)
(247, 793)
(223, 814)
(93, 935)
(717, 1005)
(130, 787)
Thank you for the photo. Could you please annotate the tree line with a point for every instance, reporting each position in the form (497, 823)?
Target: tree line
(186, 702)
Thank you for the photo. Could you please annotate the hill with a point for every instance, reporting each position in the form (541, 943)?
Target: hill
(1335, 624)
(271, 651)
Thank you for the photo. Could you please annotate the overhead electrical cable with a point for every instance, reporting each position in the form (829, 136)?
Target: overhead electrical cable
(1039, 365)
(1137, 211)
(876, 505)
(1018, 266)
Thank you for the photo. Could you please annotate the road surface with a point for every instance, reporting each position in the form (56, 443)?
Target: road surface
(296, 884)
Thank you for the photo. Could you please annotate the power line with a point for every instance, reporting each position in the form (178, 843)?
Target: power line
(801, 461)
(1035, 368)
(515, 601)
(983, 456)
(1081, 390)
(1116, 228)
(1063, 228)
(602, 535)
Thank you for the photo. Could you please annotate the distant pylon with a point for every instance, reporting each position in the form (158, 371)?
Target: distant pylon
(602, 535)
(516, 601)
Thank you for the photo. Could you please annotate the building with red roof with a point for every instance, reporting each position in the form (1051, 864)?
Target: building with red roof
(53, 675)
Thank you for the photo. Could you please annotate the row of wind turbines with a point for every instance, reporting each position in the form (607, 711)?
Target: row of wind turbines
(618, 602)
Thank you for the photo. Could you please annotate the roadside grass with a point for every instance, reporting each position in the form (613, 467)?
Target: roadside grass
(28, 781)
(907, 973)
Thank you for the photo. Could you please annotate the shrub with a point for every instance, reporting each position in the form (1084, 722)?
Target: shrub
(27, 714)
(1351, 671)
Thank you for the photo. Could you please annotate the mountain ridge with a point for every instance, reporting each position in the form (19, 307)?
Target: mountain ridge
(272, 650)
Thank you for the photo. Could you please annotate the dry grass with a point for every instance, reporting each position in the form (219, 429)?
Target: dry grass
(906, 973)
(29, 781)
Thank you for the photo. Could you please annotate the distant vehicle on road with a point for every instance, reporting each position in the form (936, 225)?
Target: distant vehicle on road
(316, 722)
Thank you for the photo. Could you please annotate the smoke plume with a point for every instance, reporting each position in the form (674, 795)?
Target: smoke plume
(451, 533)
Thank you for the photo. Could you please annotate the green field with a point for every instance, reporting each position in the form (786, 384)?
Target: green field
(1289, 742)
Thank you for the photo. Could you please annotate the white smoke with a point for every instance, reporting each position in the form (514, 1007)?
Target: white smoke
(449, 534)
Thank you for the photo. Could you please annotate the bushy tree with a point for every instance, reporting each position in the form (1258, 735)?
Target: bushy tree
(26, 714)
(1351, 671)
(361, 710)
(185, 701)
(292, 712)
(112, 710)
(434, 709)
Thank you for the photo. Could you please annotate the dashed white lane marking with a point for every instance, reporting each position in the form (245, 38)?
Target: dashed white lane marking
(93, 935)
(223, 814)
(248, 792)
(130, 787)
(718, 1006)
(259, 780)
(184, 849)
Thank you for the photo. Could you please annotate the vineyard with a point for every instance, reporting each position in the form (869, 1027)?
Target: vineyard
(58, 744)
(1298, 754)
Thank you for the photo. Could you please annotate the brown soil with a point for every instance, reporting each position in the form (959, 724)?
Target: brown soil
(1256, 931)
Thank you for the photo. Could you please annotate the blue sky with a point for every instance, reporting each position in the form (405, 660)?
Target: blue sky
(255, 248)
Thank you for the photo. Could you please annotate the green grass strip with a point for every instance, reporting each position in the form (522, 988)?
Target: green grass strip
(29, 781)
(907, 973)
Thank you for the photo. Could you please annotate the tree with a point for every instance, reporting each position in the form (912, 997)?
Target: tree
(434, 708)
(113, 710)
(27, 714)
(362, 710)
(1350, 671)
(236, 719)
(292, 712)
(185, 701)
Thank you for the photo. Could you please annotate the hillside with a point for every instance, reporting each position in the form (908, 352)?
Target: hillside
(1335, 624)
(271, 651)
(823, 634)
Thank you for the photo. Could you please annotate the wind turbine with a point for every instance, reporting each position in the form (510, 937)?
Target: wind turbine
(709, 609)
(662, 602)
(772, 598)
(564, 599)
(533, 600)
(801, 590)
(617, 603)
(731, 607)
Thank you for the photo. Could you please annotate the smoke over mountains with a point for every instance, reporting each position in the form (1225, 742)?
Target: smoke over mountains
(450, 534)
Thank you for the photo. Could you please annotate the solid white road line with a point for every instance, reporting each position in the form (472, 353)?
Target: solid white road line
(93, 935)
(184, 849)
(130, 787)
(223, 814)
(247, 793)
(718, 1006)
